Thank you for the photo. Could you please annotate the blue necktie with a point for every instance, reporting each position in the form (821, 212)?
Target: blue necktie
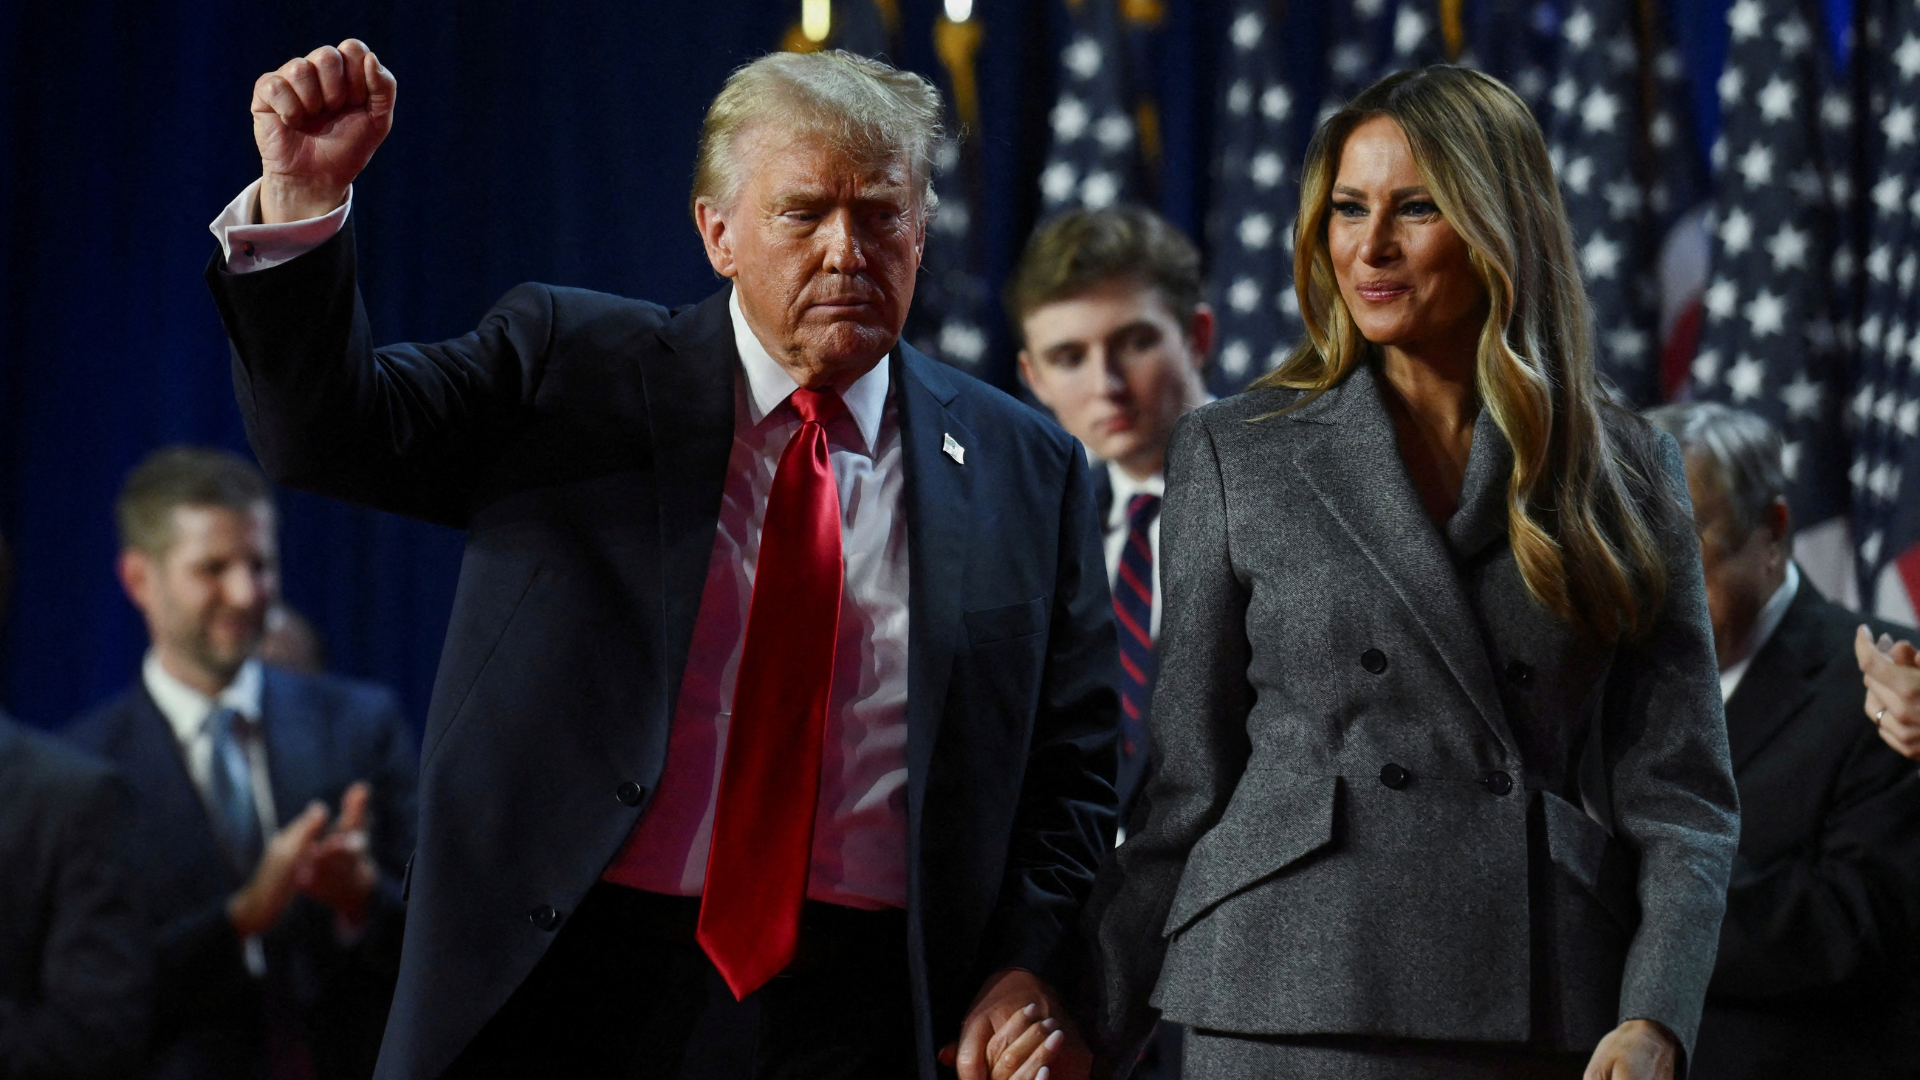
(1133, 611)
(231, 789)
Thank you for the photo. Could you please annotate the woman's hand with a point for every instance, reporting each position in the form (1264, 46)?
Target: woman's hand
(1636, 1050)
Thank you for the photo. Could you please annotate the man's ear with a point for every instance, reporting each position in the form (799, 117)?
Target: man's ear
(1026, 376)
(1778, 520)
(1201, 326)
(136, 571)
(715, 236)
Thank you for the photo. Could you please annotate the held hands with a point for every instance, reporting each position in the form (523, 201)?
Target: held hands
(330, 865)
(317, 121)
(1018, 1030)
(1891, 671)
(1636, 1050)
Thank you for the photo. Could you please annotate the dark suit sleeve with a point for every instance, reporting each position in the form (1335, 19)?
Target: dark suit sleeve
(1198, 728)
(1836, 913)
(90, 1017)
(1064, 824)
(1670, 778)
(401, 428)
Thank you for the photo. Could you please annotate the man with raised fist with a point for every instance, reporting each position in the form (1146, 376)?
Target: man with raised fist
(774, 732)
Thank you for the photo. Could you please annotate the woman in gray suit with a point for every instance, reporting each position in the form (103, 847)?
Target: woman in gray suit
(1443, 786)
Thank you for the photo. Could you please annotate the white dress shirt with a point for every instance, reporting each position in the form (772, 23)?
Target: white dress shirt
(187, 711)
(1764, 625)
(1125, 487)
(860, 825)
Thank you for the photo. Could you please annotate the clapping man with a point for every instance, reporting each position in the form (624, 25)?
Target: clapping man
(773, 736)
(272, 811)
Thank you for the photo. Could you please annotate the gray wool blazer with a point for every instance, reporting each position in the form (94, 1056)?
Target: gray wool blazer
(1375, 749)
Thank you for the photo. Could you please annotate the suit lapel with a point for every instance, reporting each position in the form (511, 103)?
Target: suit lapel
(296, 750)
(690, 416)
(939, 492)
(182, 829)
(1354, 466)
(1481, 517)
(1778, 683)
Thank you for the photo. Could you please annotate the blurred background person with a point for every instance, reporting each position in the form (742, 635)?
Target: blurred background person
(291, 642)
(273, 811)
(1114, 339)
(1819, 931)
(75, 963)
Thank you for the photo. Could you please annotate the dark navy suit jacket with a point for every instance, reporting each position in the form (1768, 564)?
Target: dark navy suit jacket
(211, 1016)
(75, 961)
(582, 440)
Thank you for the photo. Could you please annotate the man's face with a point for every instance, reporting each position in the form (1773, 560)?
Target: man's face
(1118, 367)
(1741, 572)
(822, 248)
(206, 597)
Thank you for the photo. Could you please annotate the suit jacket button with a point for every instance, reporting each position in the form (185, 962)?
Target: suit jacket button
(1498, 782)
(544, 917)
(630, 793)
(1374, 660)
(1394, 776)
(1519, 674)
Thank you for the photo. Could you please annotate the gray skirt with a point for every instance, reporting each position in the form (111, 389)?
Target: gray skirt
(1229, 1056)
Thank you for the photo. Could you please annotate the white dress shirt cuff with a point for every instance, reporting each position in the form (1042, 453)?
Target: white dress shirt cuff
(248, 247)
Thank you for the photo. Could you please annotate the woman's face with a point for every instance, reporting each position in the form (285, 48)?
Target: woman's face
(1403, 270)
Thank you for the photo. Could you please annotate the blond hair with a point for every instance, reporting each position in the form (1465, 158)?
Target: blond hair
(1577, 509)
(864, 107)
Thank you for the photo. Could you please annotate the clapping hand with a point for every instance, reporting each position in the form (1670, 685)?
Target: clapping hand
(337, 871)
(1891, 671)
(317, 120)
(1018, 1030)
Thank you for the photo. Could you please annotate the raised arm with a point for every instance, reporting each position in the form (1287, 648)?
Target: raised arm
(403, 429)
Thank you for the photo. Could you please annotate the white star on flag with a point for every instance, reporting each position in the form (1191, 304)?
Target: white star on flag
(1776, 100)
(1767, 314)
(1745, 378)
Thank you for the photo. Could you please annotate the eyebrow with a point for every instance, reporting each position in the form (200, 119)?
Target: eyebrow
(1397, 193)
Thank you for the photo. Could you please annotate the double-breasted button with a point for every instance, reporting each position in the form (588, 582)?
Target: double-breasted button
(631, 793)
(1374, 660)
(1519, 674)
(1498, 782)
(544, 917)
(1394, 776)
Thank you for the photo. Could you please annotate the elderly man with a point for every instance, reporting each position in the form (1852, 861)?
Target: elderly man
(1821, 906)
(773, 735)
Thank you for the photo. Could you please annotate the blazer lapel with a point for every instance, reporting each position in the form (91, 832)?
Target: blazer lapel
(1481, 517)
(182, 829)
(939, 491)
(1354, 467)
(297, 756)
(690, 416)
(1778, 683)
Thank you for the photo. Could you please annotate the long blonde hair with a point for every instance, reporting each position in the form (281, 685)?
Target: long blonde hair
(1577, 513)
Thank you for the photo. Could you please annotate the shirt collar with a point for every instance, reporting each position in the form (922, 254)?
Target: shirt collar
(1773, 611)
(187, 709)
(1125, 487)
(769, 384)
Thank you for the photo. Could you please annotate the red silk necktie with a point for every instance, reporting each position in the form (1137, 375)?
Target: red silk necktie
(763, 823)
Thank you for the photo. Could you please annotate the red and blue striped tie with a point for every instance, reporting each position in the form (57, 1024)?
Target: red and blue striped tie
(1133, 611)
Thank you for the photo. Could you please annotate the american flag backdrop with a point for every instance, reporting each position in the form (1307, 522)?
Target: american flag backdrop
(1773, 337)
(951, 317)
(1885, 410)
(1094, 158)
(1259, 139)
(1623, 155)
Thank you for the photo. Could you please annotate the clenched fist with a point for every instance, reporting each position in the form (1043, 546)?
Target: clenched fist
(317, 120)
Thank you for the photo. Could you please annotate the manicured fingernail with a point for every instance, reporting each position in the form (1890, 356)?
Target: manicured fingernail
(1043, 1074)
(1054, 1040)
(1030, 1010)
(1049, 1024)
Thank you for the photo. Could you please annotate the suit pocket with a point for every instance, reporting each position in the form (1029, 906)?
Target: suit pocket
(998, 624)
(1587, 853)
(1274, 820)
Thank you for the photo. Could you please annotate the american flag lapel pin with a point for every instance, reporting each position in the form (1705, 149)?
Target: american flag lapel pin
(952, 448)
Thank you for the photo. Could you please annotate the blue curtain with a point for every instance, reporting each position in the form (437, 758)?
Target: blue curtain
(548, 141)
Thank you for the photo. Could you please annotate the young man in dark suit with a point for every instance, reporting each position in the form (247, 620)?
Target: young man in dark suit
(1115, 337)
(75, 958)
(1820, 931)
(273, 812)
(773, 735)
